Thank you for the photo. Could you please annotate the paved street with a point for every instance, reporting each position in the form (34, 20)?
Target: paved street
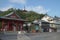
(46, 36)
(32, 36)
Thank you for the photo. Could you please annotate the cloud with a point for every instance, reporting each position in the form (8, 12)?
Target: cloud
(6, 8)
(18, 1)
(38, 9)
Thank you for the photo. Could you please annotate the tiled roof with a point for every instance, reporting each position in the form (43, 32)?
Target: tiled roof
(38, 21)
(11, 14)
(12, 18)
(57, 18)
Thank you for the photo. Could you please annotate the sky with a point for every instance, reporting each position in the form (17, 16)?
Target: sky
(51, 7)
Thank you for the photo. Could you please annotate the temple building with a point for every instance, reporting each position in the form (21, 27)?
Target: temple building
(12, 22)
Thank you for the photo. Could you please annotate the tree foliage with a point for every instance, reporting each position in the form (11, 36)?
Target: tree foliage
(26, 15)
(29, 15)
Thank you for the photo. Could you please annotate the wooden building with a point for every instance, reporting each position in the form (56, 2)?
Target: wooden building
(12, 22)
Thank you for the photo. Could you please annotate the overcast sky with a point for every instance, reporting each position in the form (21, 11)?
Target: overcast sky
(51, 7)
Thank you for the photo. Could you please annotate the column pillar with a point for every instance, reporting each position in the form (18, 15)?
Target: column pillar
(2, 25)
(21, 26)
(16, 26)
(8, 27)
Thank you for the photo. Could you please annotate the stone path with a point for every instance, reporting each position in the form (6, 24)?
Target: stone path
(31, 36)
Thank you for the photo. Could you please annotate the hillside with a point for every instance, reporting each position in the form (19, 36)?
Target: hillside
(27, 15)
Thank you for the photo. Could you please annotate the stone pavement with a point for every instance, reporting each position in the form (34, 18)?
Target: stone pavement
(31, 36)
(46, 36)
(23, 37)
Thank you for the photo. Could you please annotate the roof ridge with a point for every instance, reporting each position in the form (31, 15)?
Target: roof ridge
(11, 14)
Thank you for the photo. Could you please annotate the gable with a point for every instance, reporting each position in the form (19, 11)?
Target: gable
(12, 15)
(47, 18)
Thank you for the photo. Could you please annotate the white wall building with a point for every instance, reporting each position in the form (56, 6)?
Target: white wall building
(54, 22)
(51, 21)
